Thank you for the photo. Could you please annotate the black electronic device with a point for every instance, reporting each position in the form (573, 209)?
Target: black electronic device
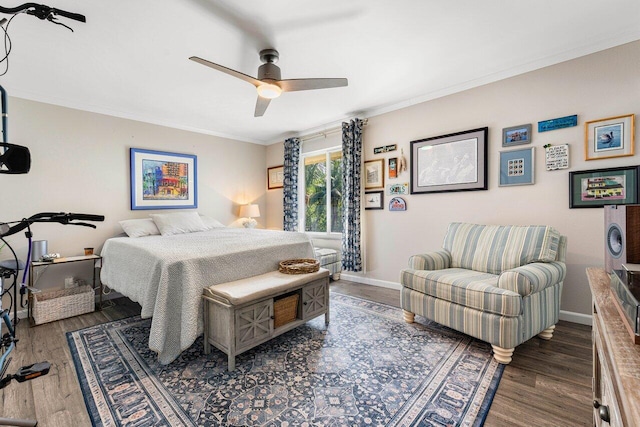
(14, 159)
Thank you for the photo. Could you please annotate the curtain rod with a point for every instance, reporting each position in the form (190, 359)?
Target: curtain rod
(330, 131)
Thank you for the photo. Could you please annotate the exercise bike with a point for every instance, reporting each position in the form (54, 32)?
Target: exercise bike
(10, 268)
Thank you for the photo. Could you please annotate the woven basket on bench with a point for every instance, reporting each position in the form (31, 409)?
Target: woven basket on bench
(285, 310)
(299, 266)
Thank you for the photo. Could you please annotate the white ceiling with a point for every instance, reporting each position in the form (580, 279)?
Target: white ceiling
(130, 59)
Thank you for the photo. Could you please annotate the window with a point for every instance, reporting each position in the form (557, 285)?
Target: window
(322, 192)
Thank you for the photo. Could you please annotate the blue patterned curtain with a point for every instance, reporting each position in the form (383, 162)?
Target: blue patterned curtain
(351, 183)
(290, 189)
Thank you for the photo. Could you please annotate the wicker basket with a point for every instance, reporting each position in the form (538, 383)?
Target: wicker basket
(299, 266)
(62, 303)
(285, 310)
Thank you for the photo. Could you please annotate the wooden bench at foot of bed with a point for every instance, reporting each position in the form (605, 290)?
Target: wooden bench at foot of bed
(240, 315)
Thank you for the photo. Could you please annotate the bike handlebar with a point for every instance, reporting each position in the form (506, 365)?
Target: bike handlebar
(59, 217)
(70, 15)
(43, 12)
(85, 217)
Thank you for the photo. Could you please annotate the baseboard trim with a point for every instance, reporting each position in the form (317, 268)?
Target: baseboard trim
(369, 281)
(569, 316)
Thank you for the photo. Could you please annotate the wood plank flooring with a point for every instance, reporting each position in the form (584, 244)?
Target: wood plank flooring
(548, 383)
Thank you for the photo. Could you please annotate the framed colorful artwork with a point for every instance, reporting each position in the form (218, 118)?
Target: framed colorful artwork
(162, 180)
(598, 187)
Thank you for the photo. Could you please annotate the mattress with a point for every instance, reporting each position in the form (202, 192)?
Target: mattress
(166, 274)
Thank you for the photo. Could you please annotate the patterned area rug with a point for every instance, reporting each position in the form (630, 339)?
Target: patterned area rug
(368, 368)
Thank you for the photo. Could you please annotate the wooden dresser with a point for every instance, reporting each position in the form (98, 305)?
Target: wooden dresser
(616, 360)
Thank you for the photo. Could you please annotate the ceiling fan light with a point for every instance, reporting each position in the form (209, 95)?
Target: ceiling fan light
(269, 91)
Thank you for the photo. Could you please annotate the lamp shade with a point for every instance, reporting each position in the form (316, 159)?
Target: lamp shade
(249, 211)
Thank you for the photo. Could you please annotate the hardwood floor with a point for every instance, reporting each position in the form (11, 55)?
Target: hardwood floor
(548, 383)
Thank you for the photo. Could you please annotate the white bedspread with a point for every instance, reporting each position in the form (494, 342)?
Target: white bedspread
(166, 274)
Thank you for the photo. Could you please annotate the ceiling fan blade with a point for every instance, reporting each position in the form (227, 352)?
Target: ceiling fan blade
(229, 71)
(308, 84)
(261, 106)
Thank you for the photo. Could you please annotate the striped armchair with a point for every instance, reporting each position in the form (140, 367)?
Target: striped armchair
(500, 284)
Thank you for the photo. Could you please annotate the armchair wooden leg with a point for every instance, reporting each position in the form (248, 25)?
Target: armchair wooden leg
(547, 333)
(408, 316)
(502, 355)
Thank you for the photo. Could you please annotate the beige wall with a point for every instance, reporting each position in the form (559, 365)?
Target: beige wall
(275, 157)
(596, 86)
(80, 163)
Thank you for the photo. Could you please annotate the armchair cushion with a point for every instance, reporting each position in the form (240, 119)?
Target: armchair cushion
(464, 287)
(495, 248)
(532, 278)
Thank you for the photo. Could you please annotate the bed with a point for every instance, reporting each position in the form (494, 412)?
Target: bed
(165, 274)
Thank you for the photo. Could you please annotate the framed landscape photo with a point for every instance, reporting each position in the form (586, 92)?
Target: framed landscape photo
(454, 162)
(598, 187)
(516, 135)
(161, 180)
(517, 167)
(275, 177)
(610, 137)
(374, 200)
(374, 174)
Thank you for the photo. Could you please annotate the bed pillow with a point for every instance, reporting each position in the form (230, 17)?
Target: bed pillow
(139, 227)
(178, 223)
(211, 223)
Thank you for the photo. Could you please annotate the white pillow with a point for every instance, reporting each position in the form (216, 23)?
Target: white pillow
(139, 227)
(178, 223)
(211, 223)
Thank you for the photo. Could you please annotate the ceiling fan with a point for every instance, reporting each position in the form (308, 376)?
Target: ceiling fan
(268, 83)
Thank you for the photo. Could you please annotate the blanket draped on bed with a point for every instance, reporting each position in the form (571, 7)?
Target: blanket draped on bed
(166, 274)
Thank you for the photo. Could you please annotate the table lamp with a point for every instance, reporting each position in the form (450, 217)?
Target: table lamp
(249, 212)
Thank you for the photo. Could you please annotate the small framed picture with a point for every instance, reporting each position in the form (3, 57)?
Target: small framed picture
(516, 135)
(275, 177)
(374, 174)
(610, 137)
(393, 167)
(517, 167)
(374, 200)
